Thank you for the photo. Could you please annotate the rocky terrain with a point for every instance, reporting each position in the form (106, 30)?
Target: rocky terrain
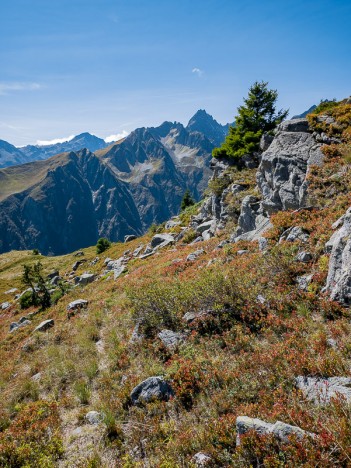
(220, 338)
(119, 190)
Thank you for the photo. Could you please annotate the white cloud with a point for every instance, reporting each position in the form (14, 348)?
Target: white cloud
(8, 87)
(198, 72)
(118, 136)
(53, 142)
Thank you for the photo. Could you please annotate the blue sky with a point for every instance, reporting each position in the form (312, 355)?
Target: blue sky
(108, 66)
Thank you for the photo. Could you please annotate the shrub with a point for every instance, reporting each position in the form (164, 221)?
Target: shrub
(187, 200)
(102, 245)
(27, 300)
(35, 252)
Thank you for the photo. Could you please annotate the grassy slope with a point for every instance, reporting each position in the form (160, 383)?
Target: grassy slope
(16, 179)
(239, 360)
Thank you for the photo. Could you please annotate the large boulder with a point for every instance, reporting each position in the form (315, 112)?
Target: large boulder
(339, 273)
(84, 279)
(77, 304)
(153, 388)
(171, 339)
(282, 172)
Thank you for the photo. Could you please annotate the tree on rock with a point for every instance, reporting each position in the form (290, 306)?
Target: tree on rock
(187, 200)
(256, 116)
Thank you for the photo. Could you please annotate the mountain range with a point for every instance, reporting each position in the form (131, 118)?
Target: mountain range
(69, 200)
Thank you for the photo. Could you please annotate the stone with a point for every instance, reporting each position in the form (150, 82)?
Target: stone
(94, 417)
(11, 291)
(171, 224)
(339, 272)
(201, 459)
(5, 305)
(304, 281)
(280, 430)
(242, 252)
(189, 317)
(293, 234)
(321, 390)
(77, 304)
(222, 244)
(304, 257)
(36, 377)
(53, 274)
(262, 243)
(206, 235)
(107, 261)
(195, 255)
(171, 339)
(138, 250)
(45, 325)
(208, 225)
(129, 238)
(136, 337)
(80, 253)
(198, 239)
(13, 326)
(295, 125)
(77, 264)
(118, 271)
(84, 279)
(55, 280)
(161, 240)
(153, 388)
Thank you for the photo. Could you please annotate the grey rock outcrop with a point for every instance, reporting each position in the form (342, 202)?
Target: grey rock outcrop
(129, 237)
(282, 173)
(161, 240)
(280, 430)
(294, 234)
(94, 417)
(153, 388)
(339, 273)
(322, 390)
(194, 255)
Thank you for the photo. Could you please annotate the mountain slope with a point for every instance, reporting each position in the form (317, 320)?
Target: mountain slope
(148, 173)
(10, 155)
(206, 124)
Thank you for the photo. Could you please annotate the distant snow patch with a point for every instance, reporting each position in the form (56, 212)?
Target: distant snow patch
(118, 136)
(55, 141)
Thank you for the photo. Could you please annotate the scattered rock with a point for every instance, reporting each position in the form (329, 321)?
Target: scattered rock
(201, 459)
(5, 305)
(304, 257)
(262, 243)
(107, 260)
(129, 238)
(195, 255)
(294, 234)
(21, 323)
(11, 291)
(55, 280)
(80, 253)
(53, 274)
(84, 279)
(222, 244)
(208, 225)
(322, 390)
(45, 325)
(198, 239)
(280, 430)
(118, 271)
(77, 304)
(77, 264)
(171, 339)
(171, 224)
(161, 240)
(94, 417)
(153, 388)
(242, 252)
(138, 250)
(304, 281)
(36, 377)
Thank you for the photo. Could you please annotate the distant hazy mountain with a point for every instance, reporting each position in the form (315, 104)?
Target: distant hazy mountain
(303, 115)
(70, 200)
(84, 140)
(10, 155)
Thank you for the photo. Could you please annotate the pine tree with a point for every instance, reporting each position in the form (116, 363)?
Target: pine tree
(256, 116)
(187, 200)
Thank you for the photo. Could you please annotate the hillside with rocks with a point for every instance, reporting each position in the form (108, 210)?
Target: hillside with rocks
(118, 190)
(220, 338)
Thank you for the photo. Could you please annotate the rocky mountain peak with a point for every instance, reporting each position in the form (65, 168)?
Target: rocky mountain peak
(204, 123)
